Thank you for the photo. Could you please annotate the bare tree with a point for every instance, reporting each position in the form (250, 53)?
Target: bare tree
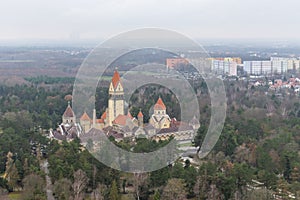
(80, 183)
(174, 190)
(139, 180)
(98, 193)
(283, 110)
(11, 172)
(62, 189)
(214, 193)
(34, 187)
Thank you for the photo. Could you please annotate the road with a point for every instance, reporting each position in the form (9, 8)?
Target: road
(44, 166)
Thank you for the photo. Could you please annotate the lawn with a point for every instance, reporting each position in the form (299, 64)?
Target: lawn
(14, 195)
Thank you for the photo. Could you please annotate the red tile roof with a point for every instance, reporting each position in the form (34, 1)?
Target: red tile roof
(103, 116)
(121, 120)
(140, 114)
(115, 79)
(85, 117)
(159, 105)
(100, 121)
(129, 115)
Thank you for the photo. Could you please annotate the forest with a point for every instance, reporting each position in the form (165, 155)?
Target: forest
(256, 157)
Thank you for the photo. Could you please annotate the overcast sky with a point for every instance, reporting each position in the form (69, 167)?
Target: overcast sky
(94, 19)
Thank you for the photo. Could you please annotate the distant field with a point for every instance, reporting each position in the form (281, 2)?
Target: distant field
(16, 61)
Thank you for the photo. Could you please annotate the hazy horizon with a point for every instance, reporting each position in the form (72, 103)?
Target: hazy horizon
(90, 20)
(263, 42)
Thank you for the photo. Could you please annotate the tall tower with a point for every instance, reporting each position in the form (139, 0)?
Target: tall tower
(140, 118)
(116, 98)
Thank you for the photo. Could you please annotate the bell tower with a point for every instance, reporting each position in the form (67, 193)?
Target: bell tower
(140, 118)
(116, 98)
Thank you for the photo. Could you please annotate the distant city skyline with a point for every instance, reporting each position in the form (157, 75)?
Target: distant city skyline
(99, 19)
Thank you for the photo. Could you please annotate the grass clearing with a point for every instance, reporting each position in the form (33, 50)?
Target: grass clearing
(15, 195)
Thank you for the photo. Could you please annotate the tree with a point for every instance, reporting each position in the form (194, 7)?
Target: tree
(214, 193)
(113, 193)
(200, 136)
(287, 170)
(156, 195)
(189, 177)
(268, 178)
(124, 186)
(34, 188)
(228, 140)
(13, 177)
(261, 194)
(242, 175)
(174, 190)
(263, 160)
(80, 183)
(226, 185)
(139, 181)
(99, 192)
(11, 172)
(62, 189)
(159, 177)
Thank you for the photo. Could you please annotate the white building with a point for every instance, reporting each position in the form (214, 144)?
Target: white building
(221, 67)
(267, 67)
(289, 63)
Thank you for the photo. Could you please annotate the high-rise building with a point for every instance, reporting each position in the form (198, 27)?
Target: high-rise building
(288, 63)
(266, 67)
(274, 66)
(221, 67)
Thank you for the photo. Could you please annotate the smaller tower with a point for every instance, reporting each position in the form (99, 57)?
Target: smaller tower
(94, 118)
(160, 119)
(69, 115)
(140, 117)
(85, 122)
(195, 123)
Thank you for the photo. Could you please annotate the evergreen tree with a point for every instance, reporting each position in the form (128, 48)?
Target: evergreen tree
(113, 193)
(156, 195)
